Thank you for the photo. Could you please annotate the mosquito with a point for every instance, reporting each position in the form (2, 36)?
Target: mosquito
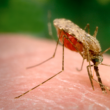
(76, 39)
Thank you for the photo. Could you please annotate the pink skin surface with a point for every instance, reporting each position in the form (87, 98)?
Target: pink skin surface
(70, 90)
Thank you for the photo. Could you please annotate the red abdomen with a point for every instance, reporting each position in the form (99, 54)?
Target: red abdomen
(67, 44)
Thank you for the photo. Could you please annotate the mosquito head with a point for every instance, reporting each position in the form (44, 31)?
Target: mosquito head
(97, 59)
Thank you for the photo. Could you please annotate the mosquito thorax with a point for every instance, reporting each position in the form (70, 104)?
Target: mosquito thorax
(97, 59)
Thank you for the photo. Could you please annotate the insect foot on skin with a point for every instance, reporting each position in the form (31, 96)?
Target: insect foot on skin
(76, 39)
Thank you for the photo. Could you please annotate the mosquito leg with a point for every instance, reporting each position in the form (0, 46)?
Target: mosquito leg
(102, 85)
(105, 51)
(98, 76)
(90, 76)
(46, 59)
(48, 78)
(87, 26)
(95, 32)
(76, 49)
(89, 70)
(81, 66)
(99, 79)
(104, 64)
(51, 35)
(50, 25)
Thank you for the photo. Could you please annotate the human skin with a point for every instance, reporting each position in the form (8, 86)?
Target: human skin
(70, 90)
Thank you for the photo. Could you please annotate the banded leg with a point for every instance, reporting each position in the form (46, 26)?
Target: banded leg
(48, 78)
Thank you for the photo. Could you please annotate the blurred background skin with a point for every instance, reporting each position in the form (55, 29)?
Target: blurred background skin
(30, 16)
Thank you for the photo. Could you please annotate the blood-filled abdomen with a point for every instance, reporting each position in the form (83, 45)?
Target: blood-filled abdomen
(67, 43)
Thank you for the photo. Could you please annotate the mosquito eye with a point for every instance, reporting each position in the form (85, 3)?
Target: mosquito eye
(96, 60)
